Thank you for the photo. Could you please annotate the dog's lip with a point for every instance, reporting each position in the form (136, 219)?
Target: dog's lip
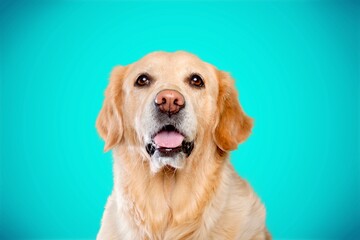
(169, 150)
(185, 147)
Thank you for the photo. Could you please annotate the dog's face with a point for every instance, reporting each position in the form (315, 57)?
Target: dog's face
(167, 106)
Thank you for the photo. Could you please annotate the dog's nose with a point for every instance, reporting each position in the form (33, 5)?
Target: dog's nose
(169, 101)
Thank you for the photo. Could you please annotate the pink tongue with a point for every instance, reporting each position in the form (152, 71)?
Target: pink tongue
(168, 139)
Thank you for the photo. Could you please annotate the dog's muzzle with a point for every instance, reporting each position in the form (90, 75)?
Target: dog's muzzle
(169, 140)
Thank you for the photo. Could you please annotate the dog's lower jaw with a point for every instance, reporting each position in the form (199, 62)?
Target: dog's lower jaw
(158, 162)
(175, 159)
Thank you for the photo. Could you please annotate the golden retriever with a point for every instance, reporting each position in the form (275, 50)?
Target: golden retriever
(171, 120)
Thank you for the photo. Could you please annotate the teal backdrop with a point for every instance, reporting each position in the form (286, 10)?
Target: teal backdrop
(296, 65)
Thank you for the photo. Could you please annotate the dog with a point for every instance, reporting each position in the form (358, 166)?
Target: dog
(171, 121)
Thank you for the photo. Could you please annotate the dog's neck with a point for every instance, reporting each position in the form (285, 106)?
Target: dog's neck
(170, 197)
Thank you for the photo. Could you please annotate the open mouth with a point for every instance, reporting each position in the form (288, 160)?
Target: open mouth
(168, 141)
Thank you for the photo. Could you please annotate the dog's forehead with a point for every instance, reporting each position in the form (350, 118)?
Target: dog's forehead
(179, 59)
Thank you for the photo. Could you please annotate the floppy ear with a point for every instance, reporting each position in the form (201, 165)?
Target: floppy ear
(109, 121)
(233, 126)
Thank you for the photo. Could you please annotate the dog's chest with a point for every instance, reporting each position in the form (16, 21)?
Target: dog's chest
(162, 214)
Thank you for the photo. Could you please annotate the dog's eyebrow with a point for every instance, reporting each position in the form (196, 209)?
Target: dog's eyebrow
(146, 74)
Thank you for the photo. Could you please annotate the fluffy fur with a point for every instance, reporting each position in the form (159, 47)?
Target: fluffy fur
(199, 197)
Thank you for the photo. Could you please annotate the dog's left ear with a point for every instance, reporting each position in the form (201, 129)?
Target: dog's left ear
(232, 126)
(109, 122)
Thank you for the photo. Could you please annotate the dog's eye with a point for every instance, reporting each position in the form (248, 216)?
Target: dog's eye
(196, 81)
(142, 80)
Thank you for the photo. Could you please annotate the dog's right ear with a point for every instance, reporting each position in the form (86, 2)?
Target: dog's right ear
(109, 122)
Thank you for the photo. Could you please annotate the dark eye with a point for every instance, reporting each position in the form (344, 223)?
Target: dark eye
(196, 81)
(142, 80)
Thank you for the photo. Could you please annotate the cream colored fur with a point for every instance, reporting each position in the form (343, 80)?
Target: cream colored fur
(203, 198)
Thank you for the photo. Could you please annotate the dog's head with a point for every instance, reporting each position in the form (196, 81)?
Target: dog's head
(167, 106)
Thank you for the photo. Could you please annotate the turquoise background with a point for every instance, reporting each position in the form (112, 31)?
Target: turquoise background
(296, 66)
